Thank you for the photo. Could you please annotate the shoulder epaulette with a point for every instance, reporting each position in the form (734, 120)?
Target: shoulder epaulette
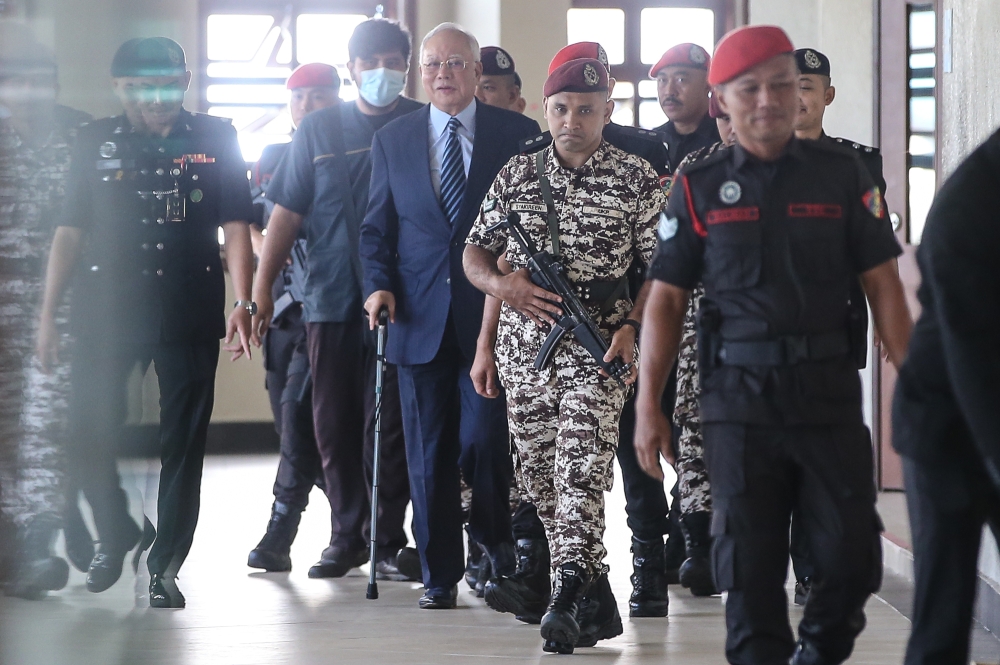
(859, 147)
(535, 143)
(638, 132)
(704, 157)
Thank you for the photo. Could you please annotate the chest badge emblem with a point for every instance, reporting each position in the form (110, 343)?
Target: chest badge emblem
(108, 150)
(730, 192)
(197, 195)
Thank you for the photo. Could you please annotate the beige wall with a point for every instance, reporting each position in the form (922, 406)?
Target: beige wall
(970, 94)
(844, 31)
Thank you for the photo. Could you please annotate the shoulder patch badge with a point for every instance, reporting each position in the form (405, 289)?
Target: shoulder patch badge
(667, 228)
(730, 192)
(489, 205)
(874, 202)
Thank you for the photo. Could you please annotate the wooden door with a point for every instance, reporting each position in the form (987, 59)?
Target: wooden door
(909, 75)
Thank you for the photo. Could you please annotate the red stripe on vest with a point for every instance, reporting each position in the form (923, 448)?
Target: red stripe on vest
(751, 214)
(699, 228)
(828, 211)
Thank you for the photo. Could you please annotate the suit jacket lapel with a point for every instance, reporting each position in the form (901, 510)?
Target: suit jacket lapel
(483, 145)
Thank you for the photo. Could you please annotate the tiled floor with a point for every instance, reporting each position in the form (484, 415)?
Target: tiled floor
(237, 616)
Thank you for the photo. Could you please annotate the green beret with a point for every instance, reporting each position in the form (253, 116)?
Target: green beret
(151, 56)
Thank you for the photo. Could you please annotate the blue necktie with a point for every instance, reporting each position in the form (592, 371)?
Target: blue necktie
(452, 173)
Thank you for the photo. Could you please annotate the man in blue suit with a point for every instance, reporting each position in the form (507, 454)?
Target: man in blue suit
(430, 173)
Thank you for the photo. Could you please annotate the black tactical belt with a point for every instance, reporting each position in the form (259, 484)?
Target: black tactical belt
(24, 267)
(790, 350)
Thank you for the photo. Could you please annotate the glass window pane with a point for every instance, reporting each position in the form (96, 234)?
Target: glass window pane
(623, 90)
(237, 36)
(922, 84)
(605, 26)
(247, 94)
(921, 145)
(623, 113)
(922, 60)
(921, 194)
(922, 114)
(664, 27)
(647, 89)
(256, 126)
(324, 37)
(651, 115)
(922, 30)
(239, 70)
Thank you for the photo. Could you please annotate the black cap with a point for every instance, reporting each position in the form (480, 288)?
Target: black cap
(496, 61)
(811, 61)
(151, 56)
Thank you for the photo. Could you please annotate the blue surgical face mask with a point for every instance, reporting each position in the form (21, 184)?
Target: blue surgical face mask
(380, 87)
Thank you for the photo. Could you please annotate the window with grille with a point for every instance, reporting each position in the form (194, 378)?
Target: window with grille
(250, 48)
(922, 116)
(635, 34)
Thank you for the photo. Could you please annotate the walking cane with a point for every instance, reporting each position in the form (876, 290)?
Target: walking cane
(383, 319)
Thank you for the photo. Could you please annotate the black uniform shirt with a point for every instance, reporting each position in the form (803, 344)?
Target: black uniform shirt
(680, 145)
(777, 246)
(149, 274)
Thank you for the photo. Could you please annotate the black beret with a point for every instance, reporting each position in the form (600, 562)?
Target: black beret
(811, 61)
(496, 61)
(151, 56)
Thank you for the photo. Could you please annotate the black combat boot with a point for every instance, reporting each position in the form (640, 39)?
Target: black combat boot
(525, 593)
(475, 562)
(37, 569)
(674, 552)
(696, 571)
(598, 617)
(273, 551)
(560, 629)
(649, 582)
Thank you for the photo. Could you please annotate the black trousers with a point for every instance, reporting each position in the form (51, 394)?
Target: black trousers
(186, 374)
(450, 427)
(760, 474)
(949, 501)
(343, 369)
(289, 387)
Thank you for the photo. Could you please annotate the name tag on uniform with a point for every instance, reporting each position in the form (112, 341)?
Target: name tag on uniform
(603, 212)
(528, 207)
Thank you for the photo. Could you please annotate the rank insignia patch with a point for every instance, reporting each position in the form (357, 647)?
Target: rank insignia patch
(874, 202)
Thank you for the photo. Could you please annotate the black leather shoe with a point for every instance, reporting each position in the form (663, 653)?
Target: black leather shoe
(408, 562)
(273, 551)
(598, 616)
(79, 540)
(439, 599)
(163, 593)
(337, 561)
(560, 629)
(148, 536)
(106, 568)
(649, 581)
(397, 567)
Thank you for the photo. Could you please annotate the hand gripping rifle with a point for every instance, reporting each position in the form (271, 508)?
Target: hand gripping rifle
(550, 275)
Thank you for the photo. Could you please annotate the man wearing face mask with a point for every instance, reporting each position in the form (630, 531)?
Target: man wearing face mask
(312, 86)
(321, 190)
(138, 237)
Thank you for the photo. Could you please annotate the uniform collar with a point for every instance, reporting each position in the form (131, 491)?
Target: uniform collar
(705, 128)
(183, 124)
(588, 167)
(742, 157)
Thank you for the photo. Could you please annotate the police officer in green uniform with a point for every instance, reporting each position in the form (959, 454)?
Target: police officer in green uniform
(139, 240)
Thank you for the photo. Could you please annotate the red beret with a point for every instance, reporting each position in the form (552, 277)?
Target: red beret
(496, 61)
(581, 75)
(744, 48)
(591, 50)
(685, 55)
(714, 110)
(314, 75)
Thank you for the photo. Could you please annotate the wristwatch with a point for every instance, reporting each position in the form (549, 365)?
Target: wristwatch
(248, 305)
(632, 322)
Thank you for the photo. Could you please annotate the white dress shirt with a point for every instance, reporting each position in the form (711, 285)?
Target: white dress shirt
(438, 126)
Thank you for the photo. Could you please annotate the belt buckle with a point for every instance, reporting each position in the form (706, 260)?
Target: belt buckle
(796, 348)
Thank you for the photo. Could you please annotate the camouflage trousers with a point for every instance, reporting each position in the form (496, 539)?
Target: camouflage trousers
(33, 407)
(566, 433)
(692, 474)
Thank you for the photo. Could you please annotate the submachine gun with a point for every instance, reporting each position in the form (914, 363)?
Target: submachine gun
(549, 274)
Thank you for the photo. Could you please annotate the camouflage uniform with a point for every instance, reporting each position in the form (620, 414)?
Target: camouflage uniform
(33, 405)
(564, 419)
(692, 474)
